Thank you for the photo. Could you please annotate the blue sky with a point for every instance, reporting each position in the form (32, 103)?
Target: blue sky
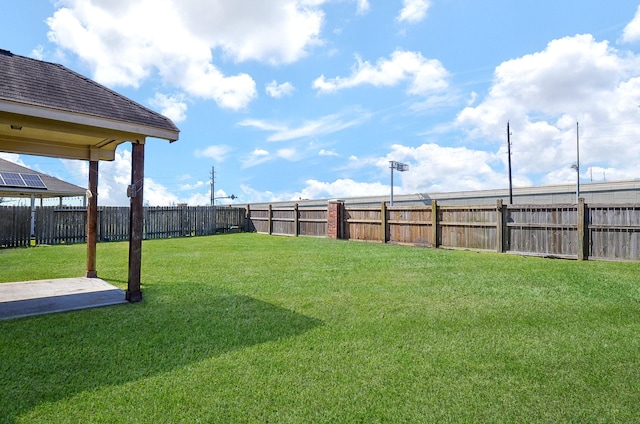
(301, 99)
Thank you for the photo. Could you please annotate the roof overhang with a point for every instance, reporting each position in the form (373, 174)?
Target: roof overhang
(38, 194)
(42, 131)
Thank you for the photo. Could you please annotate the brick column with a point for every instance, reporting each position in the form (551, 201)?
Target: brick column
(334, 219)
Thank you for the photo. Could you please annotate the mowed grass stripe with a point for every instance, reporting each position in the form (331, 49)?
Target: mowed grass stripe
(252, 328)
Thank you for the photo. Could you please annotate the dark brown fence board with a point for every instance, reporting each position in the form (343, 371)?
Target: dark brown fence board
(15, 226)
(56, 225)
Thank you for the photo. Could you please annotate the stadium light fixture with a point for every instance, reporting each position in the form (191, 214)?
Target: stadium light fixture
(399, 166)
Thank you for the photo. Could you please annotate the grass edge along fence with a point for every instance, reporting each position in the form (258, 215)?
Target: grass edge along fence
(68, 225)
(596, 232)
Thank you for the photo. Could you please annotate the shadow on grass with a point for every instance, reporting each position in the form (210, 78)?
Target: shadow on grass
(53, 357)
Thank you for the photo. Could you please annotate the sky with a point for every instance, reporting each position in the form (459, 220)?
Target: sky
(312, 99)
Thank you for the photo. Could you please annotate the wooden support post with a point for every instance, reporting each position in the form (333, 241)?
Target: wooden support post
(499, 226)
(136, 222)
(296, 220)
(582, 240)
(385, 222)
(92, 219)
(434, 223)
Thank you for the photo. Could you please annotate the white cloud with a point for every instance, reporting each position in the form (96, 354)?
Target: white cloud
(413, 10)
(173, 107)
(314, 189)
(363, 6)
(217, 152)
(260, 152)
(342, 188)
(279, 90)
(12, 157)
(326, 125)
(198, 184)
(288, 153)
(631, 32)
(324, 152)
(199, 199)
(425, 76)
(257, 157)
(544, 94)
(435, 168)
(38, 53)
(156, 194)
(126, 42)
(113, 179)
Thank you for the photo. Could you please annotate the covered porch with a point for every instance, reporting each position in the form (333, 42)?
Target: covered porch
(48, 110)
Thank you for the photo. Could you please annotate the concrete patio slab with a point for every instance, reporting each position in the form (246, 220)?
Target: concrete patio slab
(27, 298)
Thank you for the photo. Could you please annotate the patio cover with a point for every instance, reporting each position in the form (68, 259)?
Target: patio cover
(47, 109)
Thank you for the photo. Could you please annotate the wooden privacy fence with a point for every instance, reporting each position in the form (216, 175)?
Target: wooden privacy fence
(57, 225)
(294, 221)
(601, 232)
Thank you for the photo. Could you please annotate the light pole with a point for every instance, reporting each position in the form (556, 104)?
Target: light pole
(576, 165)
(233, 196)
(401, 167)
(509, 158)
(215, 215)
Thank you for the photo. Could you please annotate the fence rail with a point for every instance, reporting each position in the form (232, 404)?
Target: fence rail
(599, 232)
(57, 225)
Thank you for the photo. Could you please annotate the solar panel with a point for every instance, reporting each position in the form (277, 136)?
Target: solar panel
(33, 180)
(13, 179)
(16, 179)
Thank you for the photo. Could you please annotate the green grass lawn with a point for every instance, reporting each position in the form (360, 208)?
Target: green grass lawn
(252, 328)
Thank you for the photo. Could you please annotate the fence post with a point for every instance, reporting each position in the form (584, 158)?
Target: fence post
(270, 219)
(296, 220)
(500, 226)
(247, 219)
(334, 219)
(434, 222)
(383, 218)
(581, 233)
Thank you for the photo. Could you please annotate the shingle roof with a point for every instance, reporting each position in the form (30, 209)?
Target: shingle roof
(35, 82)
(55, 186)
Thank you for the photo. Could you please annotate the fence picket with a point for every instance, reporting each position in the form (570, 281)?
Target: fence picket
(58, 225)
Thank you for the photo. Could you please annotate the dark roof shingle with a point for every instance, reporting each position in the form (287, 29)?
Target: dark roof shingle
(40, 83)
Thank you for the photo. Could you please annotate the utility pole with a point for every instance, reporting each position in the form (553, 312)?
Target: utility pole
(509, 157)
(577, 162)
(213, 178)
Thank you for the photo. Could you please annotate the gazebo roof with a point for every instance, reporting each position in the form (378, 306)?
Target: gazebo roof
(53, 187)
(47, 109)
